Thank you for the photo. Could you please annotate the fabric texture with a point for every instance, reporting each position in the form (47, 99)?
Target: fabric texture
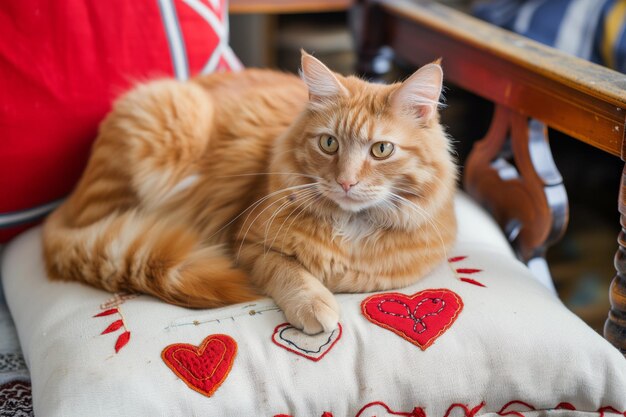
(61, 66)
(15, 390)
(16, 399)
(512, 350)
(590, 29)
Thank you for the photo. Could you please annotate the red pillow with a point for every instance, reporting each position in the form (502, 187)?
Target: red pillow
(61, 65)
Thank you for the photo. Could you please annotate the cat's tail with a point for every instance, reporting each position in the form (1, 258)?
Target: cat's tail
(132, 252)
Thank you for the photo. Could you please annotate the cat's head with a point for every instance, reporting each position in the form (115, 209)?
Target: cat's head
(373, 145)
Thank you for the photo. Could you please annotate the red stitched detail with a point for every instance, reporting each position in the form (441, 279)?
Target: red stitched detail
(113, 327)
(457, 259)
(466, 410)
(473, 282)
(389, 410)
(122, 340)
(107, 312)
(502, 411)
(468, 270)
(610, 410)
(419, 318)
(291, 346)
(511, 413)
(203, 368)
(418, 412)
(476, 409)
(465, 271)
(453, 406)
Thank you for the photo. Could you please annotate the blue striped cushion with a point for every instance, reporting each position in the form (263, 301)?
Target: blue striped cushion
(590, 29)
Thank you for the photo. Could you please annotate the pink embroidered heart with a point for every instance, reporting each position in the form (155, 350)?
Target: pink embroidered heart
(419, 318)
(313, 347)
(202, 368)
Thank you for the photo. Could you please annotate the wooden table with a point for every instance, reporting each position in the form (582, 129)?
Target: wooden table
(288, 6)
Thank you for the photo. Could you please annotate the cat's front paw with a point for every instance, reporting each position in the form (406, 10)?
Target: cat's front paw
(313, 313)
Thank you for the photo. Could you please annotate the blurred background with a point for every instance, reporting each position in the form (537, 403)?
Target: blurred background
(582, 262)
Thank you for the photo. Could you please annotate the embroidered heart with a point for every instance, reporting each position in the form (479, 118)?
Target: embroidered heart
(203, 368)
(313, 347)
(419, 318)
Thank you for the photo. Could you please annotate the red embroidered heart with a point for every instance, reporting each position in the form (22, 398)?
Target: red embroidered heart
(202, 368)
(419, 318)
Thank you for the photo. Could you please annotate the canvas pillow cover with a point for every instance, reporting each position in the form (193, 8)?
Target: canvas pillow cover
(478, 337)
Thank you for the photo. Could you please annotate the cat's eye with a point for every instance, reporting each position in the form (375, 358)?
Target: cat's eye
(382, 150)
(329, 144)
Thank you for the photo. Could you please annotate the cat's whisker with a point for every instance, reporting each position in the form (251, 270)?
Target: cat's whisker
(271, 173)
(312, 201)
(252, 223)
(265, 209)
(268, 248)
(305, 195)
(254, 205)
(429, 219)
(391, 208)
(435, 179)
(427, 184)
(420, 211)
(311, 196)
(425, 216)
(268, 222)
(404, 190)
(268, 225)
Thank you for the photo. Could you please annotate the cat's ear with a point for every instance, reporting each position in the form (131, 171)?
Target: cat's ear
(321, 81)
(419, 94)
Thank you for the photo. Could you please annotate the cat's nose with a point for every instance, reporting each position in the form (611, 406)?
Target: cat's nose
(347, 184)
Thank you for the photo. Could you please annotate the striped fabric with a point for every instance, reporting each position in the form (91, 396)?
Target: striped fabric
(590, 29)
(212, 12)
(61, 66)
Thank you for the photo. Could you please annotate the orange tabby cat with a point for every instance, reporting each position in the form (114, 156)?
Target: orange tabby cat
(202, 192)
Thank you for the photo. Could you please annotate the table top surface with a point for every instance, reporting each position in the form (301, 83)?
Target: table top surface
(288, 6)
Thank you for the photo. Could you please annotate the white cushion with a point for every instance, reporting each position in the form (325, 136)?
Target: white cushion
(508, 346)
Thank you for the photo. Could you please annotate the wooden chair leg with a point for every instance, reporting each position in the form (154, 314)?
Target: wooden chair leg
(615, 326)
(512, 174)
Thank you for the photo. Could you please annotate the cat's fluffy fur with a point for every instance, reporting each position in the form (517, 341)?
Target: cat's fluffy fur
(204, 192)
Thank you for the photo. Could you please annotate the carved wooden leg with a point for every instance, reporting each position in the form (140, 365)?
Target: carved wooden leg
(615, 326)
(511, 172)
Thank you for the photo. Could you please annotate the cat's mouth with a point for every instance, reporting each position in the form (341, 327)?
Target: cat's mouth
(352, 203)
